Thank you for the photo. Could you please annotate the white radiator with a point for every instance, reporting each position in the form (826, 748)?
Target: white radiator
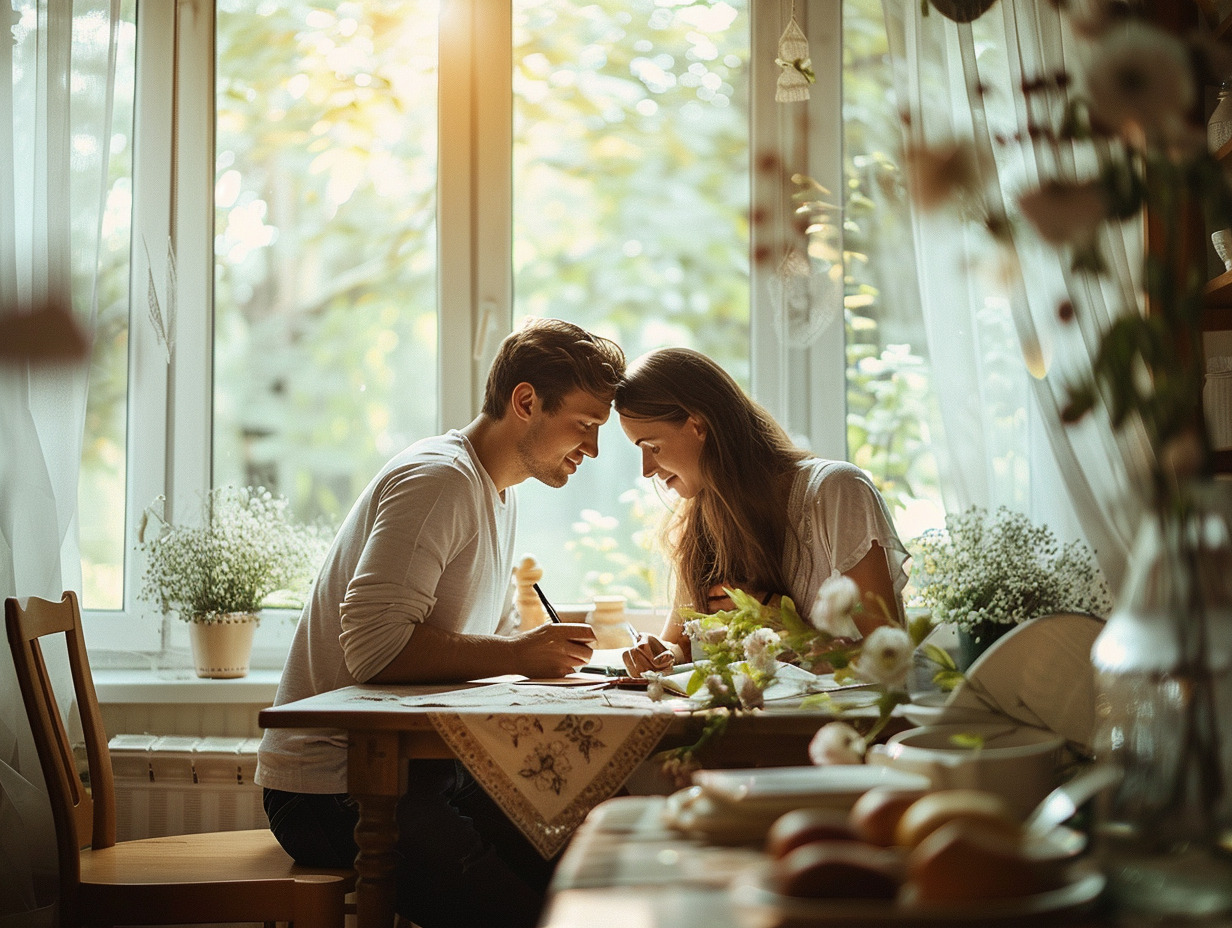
(174, 785)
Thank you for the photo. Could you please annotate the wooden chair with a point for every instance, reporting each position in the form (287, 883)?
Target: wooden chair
(232, 876)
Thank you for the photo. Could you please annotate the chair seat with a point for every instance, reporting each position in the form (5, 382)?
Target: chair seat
(156, 881)
(201, 858)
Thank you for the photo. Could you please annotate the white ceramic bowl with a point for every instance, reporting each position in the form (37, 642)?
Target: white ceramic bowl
(1019, 763)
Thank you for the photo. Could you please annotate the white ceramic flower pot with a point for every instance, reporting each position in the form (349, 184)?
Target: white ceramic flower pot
(222, 648)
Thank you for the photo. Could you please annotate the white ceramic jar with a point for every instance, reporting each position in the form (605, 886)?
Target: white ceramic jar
(1217, 403)
(1219, 126)
(610, 623)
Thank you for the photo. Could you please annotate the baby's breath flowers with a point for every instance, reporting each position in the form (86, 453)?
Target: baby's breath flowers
(983, 572)
(245, 549)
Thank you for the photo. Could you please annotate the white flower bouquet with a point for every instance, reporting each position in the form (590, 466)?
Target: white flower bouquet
(246, 549)
(745, 649)
(983, 573)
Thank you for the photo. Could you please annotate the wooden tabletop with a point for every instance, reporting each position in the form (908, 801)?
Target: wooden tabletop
(775, 737)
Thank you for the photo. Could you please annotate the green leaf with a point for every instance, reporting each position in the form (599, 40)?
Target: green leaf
(967, 740)
(1088, 259)
(946, 680)
(1081, 402)
(745, 602)
(1123, 188)
(791, 620)
(919, 628)
(695, 681)
(821, 701)
(839, 659)
(939, 656)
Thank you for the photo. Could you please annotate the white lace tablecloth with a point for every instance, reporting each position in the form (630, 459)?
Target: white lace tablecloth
(547, 769)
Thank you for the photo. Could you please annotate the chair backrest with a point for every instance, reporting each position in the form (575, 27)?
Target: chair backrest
(82, 819)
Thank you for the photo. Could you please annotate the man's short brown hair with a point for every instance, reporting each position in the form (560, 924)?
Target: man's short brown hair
(556, 358)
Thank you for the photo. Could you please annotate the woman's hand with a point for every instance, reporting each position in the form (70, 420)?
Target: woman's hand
(651, 653)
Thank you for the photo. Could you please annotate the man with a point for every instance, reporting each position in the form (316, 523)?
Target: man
(416, 589)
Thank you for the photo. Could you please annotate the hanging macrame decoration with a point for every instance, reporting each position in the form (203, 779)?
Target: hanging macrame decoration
(795, 66)
(805, 298)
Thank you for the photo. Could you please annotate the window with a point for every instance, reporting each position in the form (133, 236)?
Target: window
(631, 194)
(325, 247)
(367, 195)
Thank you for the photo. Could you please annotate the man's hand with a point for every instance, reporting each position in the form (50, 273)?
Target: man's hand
(554, 649)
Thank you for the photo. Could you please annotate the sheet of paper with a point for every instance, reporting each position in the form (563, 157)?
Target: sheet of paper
(607, 657)
(573, 679)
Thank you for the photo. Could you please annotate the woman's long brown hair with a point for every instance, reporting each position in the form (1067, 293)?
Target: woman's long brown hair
(732, 531)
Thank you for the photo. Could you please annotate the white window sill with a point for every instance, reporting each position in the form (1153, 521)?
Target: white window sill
(115, 686)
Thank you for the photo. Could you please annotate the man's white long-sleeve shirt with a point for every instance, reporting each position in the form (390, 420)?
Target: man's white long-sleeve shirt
(430, 540)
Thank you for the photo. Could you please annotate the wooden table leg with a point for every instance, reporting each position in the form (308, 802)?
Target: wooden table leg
(372, 779)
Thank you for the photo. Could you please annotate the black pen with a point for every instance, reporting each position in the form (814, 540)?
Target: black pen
(602, 671)
(546, 605)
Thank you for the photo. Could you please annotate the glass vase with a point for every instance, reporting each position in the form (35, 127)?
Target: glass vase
(1164, 716)
(972, 644)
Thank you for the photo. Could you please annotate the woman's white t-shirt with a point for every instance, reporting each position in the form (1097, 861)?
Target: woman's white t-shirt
(834, 514)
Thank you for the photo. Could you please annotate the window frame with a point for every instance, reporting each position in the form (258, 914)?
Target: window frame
(170, 435)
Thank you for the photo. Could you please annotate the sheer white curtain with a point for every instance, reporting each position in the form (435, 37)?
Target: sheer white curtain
(992, 314)
(55, 132)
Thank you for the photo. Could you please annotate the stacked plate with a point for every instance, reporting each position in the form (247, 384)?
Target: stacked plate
(738, 806)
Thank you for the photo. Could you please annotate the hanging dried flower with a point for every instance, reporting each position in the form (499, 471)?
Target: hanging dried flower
(1064, 213)
(1139, 83)
(941, 174)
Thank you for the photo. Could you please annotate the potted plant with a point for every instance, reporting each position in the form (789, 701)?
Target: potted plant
(986, 573)
(218, 572)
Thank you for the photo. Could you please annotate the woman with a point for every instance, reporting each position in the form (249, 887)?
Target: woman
(756, 512)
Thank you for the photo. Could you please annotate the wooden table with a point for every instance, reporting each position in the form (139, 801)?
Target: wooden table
(384, 734)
